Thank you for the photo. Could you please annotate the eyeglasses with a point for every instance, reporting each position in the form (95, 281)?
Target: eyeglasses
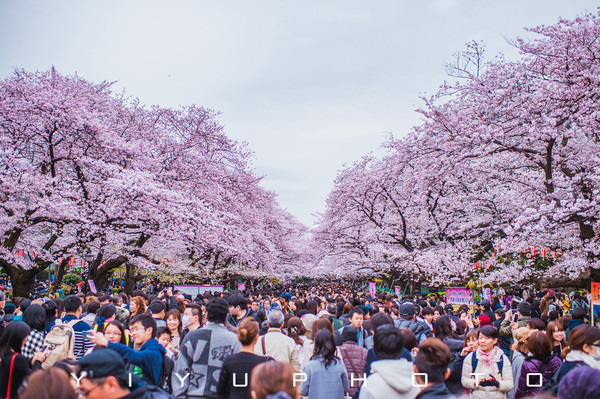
(87, 393)
(137, 329)
(98, 382)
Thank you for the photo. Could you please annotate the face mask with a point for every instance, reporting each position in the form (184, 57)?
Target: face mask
(453, 325)
(185, 319)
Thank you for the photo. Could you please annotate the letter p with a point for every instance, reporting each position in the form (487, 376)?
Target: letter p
(302, 376)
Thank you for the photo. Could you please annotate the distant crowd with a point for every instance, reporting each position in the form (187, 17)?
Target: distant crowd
(318, 341)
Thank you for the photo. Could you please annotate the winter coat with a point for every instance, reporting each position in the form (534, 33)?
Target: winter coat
(455, 345)
(362, 336)
(305, 351)
(391, 379)
(517, 362)
(355, 360)
(418, 329)
(488, 392)
(322, 382)
(533, 365)
(201, 354)
(279, 346)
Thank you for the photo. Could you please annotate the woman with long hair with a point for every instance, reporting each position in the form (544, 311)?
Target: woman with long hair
(35, 318)
(557, 334)
(105, 314)
(14, 367)
(137, 305)
(297, 332)
(326, 376)
(487, 371)
(312, 307)
(175, 327)
(582, 350)
(470, 345)
(541, 361)
(443, 330)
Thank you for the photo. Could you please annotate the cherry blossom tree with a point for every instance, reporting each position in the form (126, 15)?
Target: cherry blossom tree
(90, 174)
(506, 157)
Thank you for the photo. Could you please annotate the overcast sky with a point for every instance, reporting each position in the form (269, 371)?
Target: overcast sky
(309, 85)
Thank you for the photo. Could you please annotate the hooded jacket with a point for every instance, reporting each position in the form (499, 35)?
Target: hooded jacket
(534, 366)
(390, 379)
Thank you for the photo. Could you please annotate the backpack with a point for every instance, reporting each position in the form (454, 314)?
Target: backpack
(60, 341)
(580, 303)
(551, 386)
(164, 380)
(475, 362)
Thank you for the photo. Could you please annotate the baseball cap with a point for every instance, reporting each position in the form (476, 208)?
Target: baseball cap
(103, 363)
(407, 309)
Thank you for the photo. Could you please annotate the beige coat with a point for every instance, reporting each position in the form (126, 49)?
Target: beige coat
(279, 346)
(479, 392)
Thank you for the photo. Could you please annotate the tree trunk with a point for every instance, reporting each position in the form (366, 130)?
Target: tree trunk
(59, 274)
(101, 278)
(22, 280)
(101, 274)
(129, 278)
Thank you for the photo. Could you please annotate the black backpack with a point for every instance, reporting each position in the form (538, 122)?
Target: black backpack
(164, 380)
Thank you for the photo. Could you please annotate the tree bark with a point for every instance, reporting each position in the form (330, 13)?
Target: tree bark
(129, 278)
(22, 280)
(101, 275)
(59, 273)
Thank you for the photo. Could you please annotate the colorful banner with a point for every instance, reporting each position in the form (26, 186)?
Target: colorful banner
(241, 286)
(92, 286)
(372, 286)
(397, 291)
(595, 301)
(459, 296)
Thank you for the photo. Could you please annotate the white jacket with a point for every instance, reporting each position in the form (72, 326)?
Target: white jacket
(478, 392)
(390, 379)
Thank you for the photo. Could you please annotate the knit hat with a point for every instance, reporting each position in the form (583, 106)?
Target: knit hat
(580, 383)
(484, 320)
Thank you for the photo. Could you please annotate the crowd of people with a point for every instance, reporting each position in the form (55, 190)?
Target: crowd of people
(318, 341)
